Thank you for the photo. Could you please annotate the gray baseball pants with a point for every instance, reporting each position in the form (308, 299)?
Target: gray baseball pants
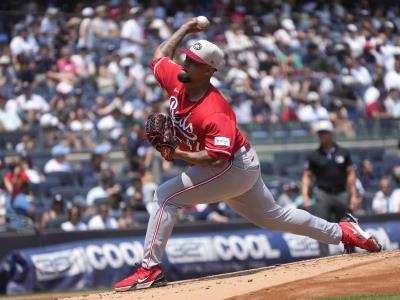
(239, 185)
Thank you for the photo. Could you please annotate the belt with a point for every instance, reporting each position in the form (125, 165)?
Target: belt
(332, 190)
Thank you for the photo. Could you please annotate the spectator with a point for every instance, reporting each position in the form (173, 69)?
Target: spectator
(377, 109)
(84, 63)
(49, 25)
(208, 212)
(384, 200)
(127, 220)
(74, 222)
(392, 77)
(85, 31)
(312, 111)
(106, 187)
(367, 174)
(58, 163)
(66, 65)
(102, 220)
(132, 34)
(289, 195)
(15, 179)
(392, 103)
(22, 44)
(30, 102)
(20, 210)
(56, 212)
(9, 119)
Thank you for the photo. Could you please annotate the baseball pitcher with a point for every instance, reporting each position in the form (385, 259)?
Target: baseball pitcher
(201, 129)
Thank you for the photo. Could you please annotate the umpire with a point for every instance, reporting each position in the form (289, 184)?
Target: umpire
(335, 178)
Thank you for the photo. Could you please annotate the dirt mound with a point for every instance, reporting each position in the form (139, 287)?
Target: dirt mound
(357, 274)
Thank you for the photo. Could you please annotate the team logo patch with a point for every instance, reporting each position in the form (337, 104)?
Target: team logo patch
(339, 159)
(222, 141)
(197, 46)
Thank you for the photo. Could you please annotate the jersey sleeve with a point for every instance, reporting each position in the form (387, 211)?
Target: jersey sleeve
(166, 72)
(219, 136)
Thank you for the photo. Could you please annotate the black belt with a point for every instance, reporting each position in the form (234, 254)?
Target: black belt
(332, 190)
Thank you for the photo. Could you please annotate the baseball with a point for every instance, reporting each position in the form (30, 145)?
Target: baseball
(202, 22)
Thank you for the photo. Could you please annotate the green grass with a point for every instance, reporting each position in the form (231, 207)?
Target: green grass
(388, 297)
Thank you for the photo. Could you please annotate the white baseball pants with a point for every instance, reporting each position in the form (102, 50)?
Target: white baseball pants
(238, 184)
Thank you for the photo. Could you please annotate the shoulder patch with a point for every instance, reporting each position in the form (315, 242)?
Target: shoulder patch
(222, 141)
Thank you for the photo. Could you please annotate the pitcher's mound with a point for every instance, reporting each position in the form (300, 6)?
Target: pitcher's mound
(344, 275)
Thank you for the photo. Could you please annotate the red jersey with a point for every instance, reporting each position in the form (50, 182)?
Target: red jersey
(207, 124)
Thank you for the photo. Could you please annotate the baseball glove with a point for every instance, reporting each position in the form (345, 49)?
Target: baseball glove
(161, 134)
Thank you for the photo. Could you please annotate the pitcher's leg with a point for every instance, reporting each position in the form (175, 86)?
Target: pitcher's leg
(258, 206)
(196, 185)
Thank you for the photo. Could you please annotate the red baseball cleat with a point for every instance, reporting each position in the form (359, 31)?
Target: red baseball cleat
(353, 235)
(142, 278)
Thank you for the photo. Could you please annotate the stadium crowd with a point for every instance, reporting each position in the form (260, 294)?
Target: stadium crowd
(79, 75)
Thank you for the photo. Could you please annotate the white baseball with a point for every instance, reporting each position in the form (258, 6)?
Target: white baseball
(202, 22)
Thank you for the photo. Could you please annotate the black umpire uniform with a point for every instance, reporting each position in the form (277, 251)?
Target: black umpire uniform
(332, 168)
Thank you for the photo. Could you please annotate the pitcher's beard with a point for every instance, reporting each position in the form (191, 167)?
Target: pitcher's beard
(184, 78)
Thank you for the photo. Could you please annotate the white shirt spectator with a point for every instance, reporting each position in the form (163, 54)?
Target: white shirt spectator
(361, 75)
(9, 119)
(243, 112)
(307, 113)
(392, 80)
(68, 226)
(85, 125)
(27, 46)
(94, 193)
(356, 44)
(33, 102)
(237, 40)
(237, 78)
(98, 223)
(49, 25)
(131, 29)
(86, 33)
(54, 165)
(382, 204)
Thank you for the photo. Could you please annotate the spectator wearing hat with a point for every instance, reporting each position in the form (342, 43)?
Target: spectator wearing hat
(355, 40)
(335, 178)
(58, 163)
(125, 78)
(104, 29)
(132, 34)
(74, 222)
(85, 33)
(56, 211)
(20, 210)
(49, 27)
(7, 74)
(312, 111)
